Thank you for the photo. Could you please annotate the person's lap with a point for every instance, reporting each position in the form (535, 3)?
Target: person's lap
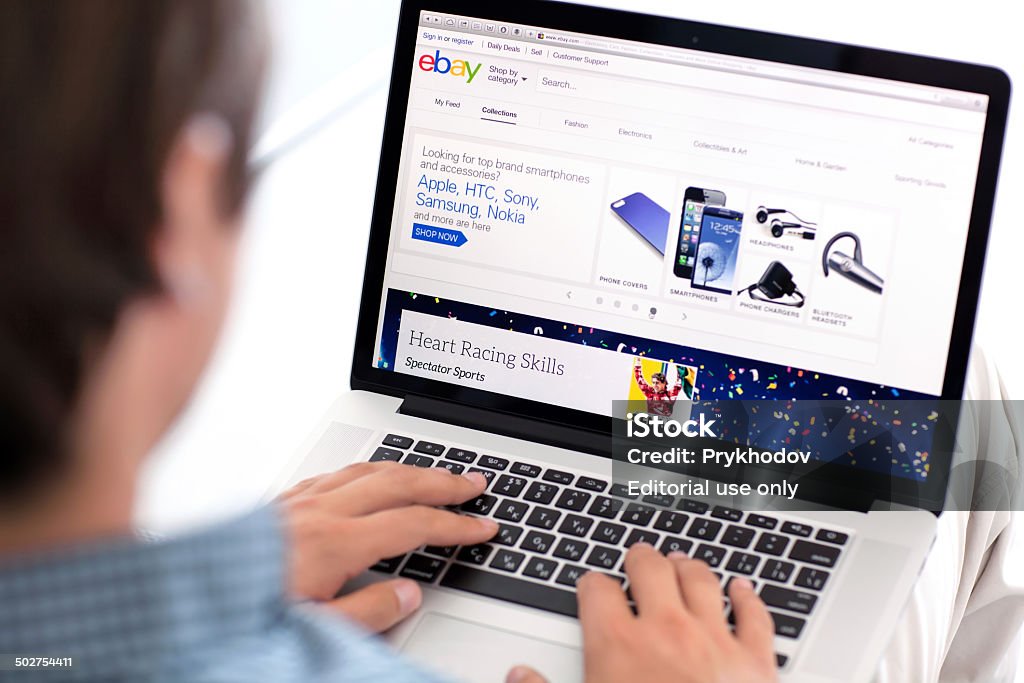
(966, 610)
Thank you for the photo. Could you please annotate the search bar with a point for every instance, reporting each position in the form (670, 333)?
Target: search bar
(670, 88)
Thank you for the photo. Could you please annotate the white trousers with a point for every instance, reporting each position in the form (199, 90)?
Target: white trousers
(966, 611)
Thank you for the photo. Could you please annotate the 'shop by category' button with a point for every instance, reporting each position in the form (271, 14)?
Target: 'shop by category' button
(430, 233)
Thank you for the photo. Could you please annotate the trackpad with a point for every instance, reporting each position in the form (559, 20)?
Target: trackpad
(470, 651)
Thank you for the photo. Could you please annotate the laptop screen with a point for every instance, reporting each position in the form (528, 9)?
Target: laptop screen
(580, 219)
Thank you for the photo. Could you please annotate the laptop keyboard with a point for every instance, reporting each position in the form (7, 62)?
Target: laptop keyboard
(555, 525)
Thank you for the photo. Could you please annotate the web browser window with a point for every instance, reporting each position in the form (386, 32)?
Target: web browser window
(580, 219)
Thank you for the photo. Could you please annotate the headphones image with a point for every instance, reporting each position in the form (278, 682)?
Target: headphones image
(850, 267)
(778, 228)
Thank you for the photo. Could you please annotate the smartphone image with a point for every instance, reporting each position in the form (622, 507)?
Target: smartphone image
(649, 220)
(694, 201)
(714, 265)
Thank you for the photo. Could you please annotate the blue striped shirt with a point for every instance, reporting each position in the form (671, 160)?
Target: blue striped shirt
(210, 606)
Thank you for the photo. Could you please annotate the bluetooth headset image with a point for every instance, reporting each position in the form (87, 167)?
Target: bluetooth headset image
(850, 267)
(778, 227)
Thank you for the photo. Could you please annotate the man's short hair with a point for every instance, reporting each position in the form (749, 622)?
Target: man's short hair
(659, 377)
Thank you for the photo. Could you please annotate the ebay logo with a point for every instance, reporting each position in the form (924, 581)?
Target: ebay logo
(452, 67)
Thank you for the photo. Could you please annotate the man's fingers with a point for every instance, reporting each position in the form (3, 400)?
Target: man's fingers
(399, 530)
(347, 475)
(524, 674)
(701, 590)
(754, 627)
(299, 488)
(332, 480)
(380, 606)
(602, 606)
(403, 485)
(652, 580)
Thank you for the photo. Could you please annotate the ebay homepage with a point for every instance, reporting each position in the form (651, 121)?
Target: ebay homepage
(577, 224)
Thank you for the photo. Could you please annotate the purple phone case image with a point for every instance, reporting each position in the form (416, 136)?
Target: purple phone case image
(648, 219)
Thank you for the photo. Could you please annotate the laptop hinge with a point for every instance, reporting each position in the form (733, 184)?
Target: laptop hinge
(537, 431)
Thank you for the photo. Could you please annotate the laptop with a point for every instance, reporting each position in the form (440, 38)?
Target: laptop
(578, 207)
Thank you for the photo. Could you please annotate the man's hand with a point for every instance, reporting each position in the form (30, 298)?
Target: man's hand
(341, 523)
(679, 634)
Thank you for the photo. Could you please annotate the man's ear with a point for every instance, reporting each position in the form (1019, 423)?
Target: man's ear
(192, 196)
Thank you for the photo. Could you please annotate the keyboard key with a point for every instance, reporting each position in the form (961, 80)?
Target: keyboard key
(794, 601)
(713, 555)
(453, 467)
(569, 575)
(539, 568)
(480, 505)
(796, 529)
(492, 462)
(762, 521)
(476, 554)
(704, 529)
(672, 522)
(558, 476)
(811, 578)
(660, 501)
(814, 553)
(778, 570)
(638, 514)
(620, 490)
(507, 560)
(737, 536)
(771, 544)
(511, 510)
(605, 558)
(460, 455)
(674, 544)
(641, 536)
(388, 565)
(508, 485)
(525, 469)
(507, 534)
(696, 507)
(397, 441)
(722, 512)
(742, 563)
(383, 453)
(570, 549)
(605, 507)
(606, 532)
(537, 542)
(541, 493)
(591, 484)
(422, 568)
(511, 589)
(544, 518)
(440, 550)
(574, 525)
(786, 625)
(418, 460)
(429, 448)
(489, 475)
(829, 536)
(574, 500)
